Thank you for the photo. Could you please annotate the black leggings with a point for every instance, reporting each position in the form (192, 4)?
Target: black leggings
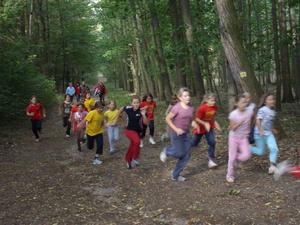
(99, 141)
(36, 126)
(67, 123)
(151, 128)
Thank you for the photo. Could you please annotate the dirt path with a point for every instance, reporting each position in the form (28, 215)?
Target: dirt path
(51, 183)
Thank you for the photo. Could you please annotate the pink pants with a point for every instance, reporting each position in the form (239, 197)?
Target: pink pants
(239, 150)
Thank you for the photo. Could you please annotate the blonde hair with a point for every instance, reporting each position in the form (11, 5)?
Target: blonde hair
(181, 90)
(207, 96)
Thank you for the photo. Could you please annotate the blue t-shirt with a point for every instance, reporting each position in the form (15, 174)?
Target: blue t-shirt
(70, 91)
(267, 116)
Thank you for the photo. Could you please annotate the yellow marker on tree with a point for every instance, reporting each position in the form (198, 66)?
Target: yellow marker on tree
(243, 74)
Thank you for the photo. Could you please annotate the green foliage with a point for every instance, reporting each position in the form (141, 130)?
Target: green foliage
(19, 81)
(63, 45)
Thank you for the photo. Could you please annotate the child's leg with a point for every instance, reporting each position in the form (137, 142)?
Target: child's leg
(65, 121)
(39, 126)
(34, 128)
(110, 133)
(143, 134)
(78, 135)
(177, 146)
(196, 139)
(186, 154)
(99, 141)
(272, 145)
(151, 128)
(90, 142)
(244, 150)
(134, 147)
(116, 133)
(232, 155)
(69, 125)
(210, 138)
(259, 149)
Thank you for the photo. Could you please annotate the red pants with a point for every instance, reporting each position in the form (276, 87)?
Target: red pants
(133, 151)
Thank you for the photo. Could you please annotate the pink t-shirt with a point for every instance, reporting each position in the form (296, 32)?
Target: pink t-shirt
(237, 116)
(183, 116)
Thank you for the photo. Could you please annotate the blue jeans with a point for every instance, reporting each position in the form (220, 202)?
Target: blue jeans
(268, 140)
(179, 149)
(113, 136)
(210, 138)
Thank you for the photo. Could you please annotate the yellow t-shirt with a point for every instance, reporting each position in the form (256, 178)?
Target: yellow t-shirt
(95, 123)
(111, 116)
(89, 104)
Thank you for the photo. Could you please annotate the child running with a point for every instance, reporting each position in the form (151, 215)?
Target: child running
(238, 144)
(111, 117)
(136, 118)
(250, 107)
(79, 125)
(263, 133)
(205, 117)
(65, 110)
(36, 112)
(179, 120)
(149, 105)
(94, 130)
(89, 102)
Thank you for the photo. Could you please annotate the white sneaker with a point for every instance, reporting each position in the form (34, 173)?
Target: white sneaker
(163, 156)
(151, 140)
(97, 161)
(136, 163)
(272, 169)
(179, 178)
(141, 144)
(282, 168)
(230, 179)
(211, 164)
(164, 137)
(67, 136)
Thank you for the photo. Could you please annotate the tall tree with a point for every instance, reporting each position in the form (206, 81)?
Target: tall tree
(284, 51)
(187, 19)
(240, 68)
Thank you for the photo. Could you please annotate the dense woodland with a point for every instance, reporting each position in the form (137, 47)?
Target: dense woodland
(224, 46)
(44, 45)
(157, 46)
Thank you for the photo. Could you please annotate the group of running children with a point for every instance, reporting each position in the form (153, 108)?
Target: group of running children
(247, 121)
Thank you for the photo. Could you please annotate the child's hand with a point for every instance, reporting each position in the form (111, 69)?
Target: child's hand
(207, 126)
(179, 131)
(143, 112)
(44, 115)
(196, 126)
(261, 132)
(275, 131)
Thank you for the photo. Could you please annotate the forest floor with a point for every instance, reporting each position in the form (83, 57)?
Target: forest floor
(52, 183)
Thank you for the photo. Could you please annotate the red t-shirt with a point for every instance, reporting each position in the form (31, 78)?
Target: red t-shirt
(208, 114)
(36, 109)
(77, 90)
(150, 109)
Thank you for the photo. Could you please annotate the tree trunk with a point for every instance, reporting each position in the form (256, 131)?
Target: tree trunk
(186, 15)
(241, 70)
(179, 44)
(276, 54)
(164, 75)
(30, 19)
(284, 51)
